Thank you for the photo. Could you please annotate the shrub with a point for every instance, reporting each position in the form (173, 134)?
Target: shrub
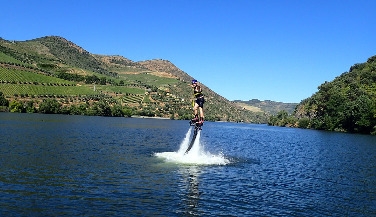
(303, 123)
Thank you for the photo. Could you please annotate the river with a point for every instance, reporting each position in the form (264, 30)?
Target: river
(58, 165)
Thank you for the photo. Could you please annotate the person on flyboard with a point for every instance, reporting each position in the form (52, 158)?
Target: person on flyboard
(198, 103)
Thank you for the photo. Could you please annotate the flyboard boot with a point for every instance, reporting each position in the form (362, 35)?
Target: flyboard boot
(200, 122)
(194, 120)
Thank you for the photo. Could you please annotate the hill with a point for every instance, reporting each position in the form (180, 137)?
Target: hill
(346, 104)
(54, 75)
(267, 106)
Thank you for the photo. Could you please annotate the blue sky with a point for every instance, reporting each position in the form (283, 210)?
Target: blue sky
(279, 50)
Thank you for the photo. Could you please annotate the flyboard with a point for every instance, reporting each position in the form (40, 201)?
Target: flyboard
(197, 127)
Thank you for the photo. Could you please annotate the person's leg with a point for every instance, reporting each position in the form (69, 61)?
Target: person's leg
(195, 108)
(201, 112)
(201, 119)
(201, 108)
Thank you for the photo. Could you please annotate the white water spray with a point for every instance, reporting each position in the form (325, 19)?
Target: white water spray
(196, 155)
(185, 142)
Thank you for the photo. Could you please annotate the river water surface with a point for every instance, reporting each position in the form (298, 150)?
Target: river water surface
(57, 165)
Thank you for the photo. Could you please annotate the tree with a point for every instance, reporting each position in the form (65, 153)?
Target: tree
(78, 110)
(127, 112)
(16, 106)
(3, 101)
(102, 81)
(100, 108)
(348, 103)
(92, 79)
(49, 106)
(117, 111)
(361, 116)
(303, 123)
(29, 107)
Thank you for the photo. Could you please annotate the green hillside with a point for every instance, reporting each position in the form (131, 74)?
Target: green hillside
(53, 75)
(346, 104)
(268, 106)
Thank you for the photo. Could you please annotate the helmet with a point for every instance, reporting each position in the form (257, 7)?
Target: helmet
(194, 81)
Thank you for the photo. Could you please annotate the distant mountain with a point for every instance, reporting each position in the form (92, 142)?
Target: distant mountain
(55, 70)
(268, 106)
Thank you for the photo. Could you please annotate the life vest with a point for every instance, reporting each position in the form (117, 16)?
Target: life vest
(197, 93)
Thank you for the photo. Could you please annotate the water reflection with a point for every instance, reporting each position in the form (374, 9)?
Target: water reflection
(190, 186)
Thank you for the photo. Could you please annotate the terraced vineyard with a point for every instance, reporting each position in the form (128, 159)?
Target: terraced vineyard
(131, 98)
(7, 58)
(120, 89)
(39, 90)
(22, 82)
(10, 75)
(150, 79)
